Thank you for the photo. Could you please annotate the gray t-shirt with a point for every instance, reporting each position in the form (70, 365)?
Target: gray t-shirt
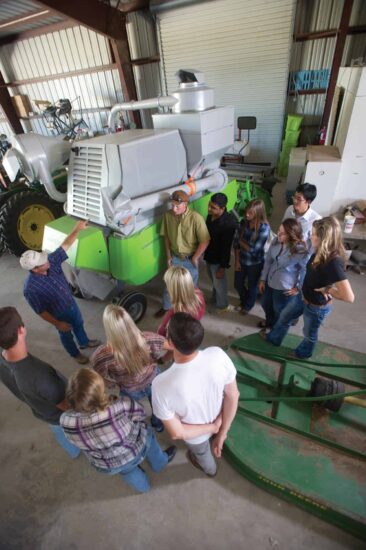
(37, 384)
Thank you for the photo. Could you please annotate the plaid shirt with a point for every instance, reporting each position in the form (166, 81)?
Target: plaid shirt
(104, 363)
(49, 292)
(109, 438)
(255, 254)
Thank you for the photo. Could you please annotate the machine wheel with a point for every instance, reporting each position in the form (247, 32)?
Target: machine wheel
(134, 303)
(23, 217)
(325, 386)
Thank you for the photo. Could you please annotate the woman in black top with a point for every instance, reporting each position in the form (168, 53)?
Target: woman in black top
(324, 280)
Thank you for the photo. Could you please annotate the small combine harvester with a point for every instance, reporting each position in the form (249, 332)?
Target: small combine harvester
(121, 182)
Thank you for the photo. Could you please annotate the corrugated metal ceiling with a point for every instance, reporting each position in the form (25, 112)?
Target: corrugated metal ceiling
(14, 10)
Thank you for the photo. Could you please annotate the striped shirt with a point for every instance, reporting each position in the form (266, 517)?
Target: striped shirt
(49, 292)
(104, 363)
(109, 438)
(255, 254)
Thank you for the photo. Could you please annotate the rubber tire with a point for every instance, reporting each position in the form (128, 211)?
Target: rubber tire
(322, 387)
(134, 303)
(13, 209)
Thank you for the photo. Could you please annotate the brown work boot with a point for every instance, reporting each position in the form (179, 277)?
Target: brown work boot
(82, 359)
(91, 344)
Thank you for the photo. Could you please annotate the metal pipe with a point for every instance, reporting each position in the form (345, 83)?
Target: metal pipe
(152, 103)
(213, 181)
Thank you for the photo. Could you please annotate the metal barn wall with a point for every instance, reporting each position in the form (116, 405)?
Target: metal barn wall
(243, 48)
(52, 54)
(141, 32)
(321, 15)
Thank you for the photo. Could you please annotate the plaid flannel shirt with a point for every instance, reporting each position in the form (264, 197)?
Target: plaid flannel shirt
(109, 438)
(255, 254)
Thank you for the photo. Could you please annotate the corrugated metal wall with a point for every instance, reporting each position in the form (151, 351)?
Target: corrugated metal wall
(141, 33)
(52, 54)
(320, 15)
(243, 48)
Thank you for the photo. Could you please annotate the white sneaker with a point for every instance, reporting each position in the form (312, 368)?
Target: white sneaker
(227, 309)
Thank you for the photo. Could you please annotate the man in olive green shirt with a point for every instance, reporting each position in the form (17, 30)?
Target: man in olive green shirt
(186, 239)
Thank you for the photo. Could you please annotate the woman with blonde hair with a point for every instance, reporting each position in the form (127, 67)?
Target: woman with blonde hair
(183, 295)
(325, 279)
(249, 246)
(129, 358)
(111, 431)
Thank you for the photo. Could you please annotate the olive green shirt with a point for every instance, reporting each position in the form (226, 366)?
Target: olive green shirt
(185, 232)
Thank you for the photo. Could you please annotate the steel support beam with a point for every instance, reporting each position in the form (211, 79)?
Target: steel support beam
(122, 57)
(9, 109)
(337, 59)
(24, 35)
(317, 35)
(92, 14)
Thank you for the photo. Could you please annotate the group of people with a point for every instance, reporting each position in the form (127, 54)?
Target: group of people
(298, 272)
(99, 410)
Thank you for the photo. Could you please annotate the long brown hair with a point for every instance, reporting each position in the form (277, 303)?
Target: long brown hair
(294, 235)
(126, 341)
(85, 391)
(257, 205)
(329, 232)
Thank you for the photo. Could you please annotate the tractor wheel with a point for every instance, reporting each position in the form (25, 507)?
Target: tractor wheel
(134, 303)
(22, 220)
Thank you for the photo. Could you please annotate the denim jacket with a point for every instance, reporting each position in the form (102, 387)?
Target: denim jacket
(283, 270)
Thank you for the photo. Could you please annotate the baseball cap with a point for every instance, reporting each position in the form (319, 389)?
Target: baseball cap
(31, 259)
(179, 196)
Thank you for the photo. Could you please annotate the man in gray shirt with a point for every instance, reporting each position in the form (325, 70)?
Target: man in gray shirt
(31, 380)
(301, 210)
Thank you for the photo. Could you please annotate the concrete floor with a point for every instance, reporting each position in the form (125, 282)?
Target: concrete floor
(51, 502)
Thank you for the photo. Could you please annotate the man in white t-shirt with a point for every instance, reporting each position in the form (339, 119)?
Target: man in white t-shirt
(198, 395)
(301, 210)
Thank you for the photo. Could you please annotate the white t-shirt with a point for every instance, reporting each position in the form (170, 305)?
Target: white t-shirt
(194, 391)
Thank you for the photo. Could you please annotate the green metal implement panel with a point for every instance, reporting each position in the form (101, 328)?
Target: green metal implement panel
(137, 259)
(89, 251)
(285, 441)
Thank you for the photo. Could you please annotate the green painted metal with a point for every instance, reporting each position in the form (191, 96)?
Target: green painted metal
(247, 191)
(134, 260)
(89, 251)
(137, 259)
(288, 444)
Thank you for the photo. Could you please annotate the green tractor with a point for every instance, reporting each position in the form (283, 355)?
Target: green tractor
(25, 205)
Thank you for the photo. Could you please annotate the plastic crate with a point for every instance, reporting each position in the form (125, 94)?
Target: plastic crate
(293, 123)
(309, 80)
(292, 137)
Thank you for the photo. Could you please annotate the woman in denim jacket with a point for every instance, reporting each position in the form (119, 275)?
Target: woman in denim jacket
(325, 279)
(283, 271)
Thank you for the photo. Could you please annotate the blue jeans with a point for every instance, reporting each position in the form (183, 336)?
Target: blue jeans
(193, 271)
(133, 474)
(313, 318)
(64, 442)
(289, 313)
(219, 291)
(141, 394)
(246, 283)
(273, 302)
(74, 318)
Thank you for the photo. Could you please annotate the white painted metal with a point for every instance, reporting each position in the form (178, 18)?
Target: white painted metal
(243, 48)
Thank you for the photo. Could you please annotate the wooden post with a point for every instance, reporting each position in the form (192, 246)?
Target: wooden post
(8, 107)
(337, 58)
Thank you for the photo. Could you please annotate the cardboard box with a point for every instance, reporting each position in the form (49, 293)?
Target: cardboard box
(323, 153)
(22, 105)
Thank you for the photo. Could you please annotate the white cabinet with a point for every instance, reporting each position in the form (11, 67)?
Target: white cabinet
(325, 176)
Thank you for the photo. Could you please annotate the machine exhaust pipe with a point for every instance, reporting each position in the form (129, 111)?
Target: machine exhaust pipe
(152, 103)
